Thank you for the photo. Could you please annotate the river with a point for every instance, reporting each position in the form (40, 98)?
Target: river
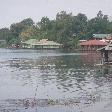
(53, 80)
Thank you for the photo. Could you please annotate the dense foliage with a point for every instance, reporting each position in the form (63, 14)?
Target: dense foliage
(66, 29)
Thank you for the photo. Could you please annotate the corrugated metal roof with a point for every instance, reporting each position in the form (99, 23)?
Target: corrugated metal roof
(100, 36)
(30, 41)
(93, 42)
(41, 42)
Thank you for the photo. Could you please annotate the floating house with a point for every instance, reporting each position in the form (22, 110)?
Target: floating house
(41, 44)
(91, 45)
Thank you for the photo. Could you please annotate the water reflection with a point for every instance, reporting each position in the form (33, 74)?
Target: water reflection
(55, 75)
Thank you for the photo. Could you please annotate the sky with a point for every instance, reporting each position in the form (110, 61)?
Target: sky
(13, 11)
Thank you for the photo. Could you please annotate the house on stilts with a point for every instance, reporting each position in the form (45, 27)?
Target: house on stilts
(92, 45)
(106, 54)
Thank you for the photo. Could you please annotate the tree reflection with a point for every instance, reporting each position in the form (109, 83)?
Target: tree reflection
(74, 74)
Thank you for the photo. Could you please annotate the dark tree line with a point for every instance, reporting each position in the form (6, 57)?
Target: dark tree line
(66, 29)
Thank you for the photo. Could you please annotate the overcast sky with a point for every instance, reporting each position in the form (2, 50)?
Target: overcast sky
(12, 11)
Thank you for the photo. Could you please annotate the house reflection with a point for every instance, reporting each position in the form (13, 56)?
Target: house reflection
(91, 58)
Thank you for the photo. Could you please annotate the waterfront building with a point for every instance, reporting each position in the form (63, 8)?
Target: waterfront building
(92, 45)
(106, 54)
(40, 44)
(103, 37)
(100, 36)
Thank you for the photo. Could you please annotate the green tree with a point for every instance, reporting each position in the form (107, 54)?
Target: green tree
(98, 24)
(4, 33)
(17, 28)
(29, 33)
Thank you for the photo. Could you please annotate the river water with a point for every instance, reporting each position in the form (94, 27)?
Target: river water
(53, 80)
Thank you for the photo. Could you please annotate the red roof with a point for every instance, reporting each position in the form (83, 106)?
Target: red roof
(93, 42)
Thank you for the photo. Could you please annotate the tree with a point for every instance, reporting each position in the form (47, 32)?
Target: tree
(100, 14)
(4, 33)
(66, 28)
(17, 28)
(27, 22)
(29, 33)
(98, 24)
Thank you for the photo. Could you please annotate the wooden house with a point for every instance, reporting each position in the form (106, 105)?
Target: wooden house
(106, 54)
(91, 45)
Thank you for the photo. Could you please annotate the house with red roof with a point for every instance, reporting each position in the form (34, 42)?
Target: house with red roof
(92, 44)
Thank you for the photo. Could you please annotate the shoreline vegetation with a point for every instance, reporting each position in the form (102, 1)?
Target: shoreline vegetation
(65, 29)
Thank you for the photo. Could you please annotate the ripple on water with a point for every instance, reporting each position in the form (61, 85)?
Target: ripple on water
(53, 78)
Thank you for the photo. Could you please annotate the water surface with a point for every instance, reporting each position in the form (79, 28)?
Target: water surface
(53, 80)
